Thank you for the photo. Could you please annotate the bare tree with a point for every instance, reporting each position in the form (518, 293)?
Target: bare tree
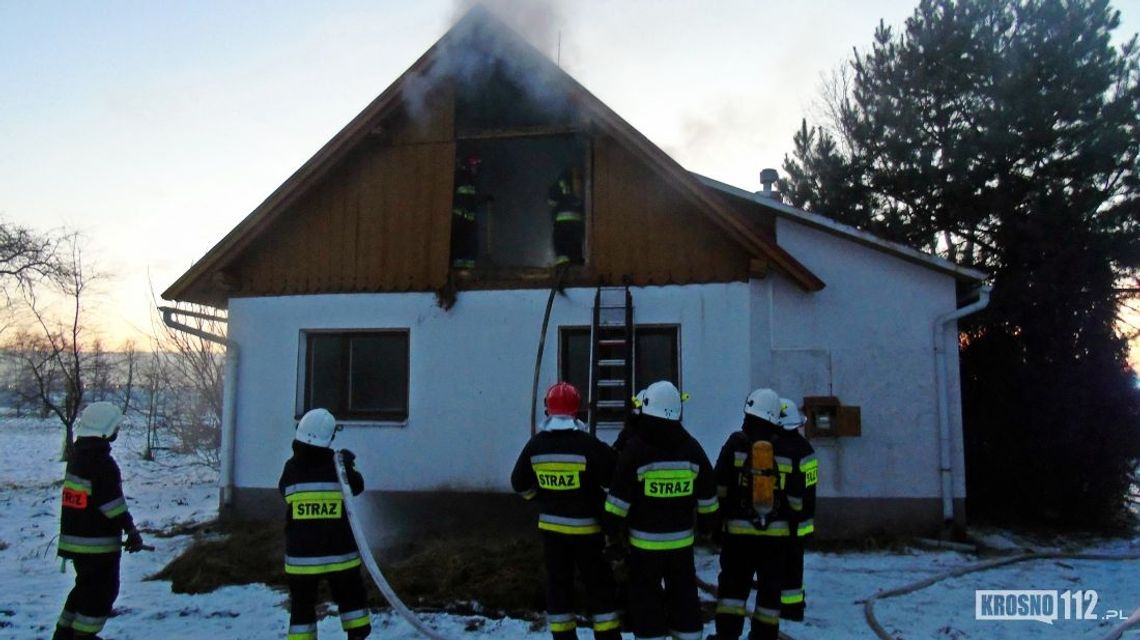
(55, 347)
(193, 368)
(127, 368)
(28, 257)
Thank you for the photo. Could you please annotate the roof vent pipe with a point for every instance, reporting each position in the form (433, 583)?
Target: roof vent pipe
(768, 177)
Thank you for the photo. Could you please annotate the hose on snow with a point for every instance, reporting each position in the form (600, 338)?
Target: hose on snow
(370, 562)
(869, 604)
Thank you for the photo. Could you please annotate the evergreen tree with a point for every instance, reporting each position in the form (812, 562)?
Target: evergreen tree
(1005, 135)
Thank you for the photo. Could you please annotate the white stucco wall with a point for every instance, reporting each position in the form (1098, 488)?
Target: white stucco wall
(470, 377)
(868, 339)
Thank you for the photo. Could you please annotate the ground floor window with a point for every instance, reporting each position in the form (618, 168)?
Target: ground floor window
(657, 356)
(357, 375)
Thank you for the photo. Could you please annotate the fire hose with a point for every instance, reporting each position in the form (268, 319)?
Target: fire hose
(869, 603)
(370, 562)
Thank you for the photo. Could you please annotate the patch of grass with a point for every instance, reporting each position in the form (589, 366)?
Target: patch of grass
(463, 574)
(236, 553)
(503, 575)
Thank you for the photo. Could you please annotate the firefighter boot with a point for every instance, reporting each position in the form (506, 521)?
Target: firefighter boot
(63, 633)
(359, 634)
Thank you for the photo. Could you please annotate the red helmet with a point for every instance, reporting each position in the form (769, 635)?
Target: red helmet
(562, 399)
(472, 161)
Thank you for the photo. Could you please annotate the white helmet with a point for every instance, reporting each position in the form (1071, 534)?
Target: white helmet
(764, 404)
(790, 418)
(662, 400)
(317, 427)
(99, 420)
(638, 402)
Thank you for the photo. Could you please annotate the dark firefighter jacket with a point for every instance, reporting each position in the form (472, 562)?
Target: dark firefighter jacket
(567, 471)
(94, 512)
(663, 477)
(467, 198)
(795, 497)
(565, 197)
(318, 538)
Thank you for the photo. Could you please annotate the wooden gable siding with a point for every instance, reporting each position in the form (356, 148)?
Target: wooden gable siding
(645, 231)
(379, 221)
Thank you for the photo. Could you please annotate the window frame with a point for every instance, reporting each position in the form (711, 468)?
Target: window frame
(343, 415)
(563, 330)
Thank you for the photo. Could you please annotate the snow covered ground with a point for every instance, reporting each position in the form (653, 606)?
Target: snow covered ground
(175, 490)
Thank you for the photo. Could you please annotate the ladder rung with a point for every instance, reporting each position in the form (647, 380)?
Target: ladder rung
(611, 306)
(611, 383)
(611, 323)
(612, 362)
(610, 425)
(610, 342)
(611, 404)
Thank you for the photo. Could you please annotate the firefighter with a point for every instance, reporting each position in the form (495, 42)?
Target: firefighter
(753, 543)
(662, 478)
(568, 214)
(799, 473)
(464, 205)
(567, 470)
(318, 538)
(92, 520)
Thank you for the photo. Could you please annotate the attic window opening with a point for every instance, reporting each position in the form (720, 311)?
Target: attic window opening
(520, 201)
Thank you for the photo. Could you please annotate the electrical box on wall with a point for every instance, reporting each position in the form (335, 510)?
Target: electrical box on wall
(827, 417)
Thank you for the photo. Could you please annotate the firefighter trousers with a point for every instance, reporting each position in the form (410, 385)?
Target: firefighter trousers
(741, 558)
(464, 241)
(347, 589)
(565, 553)
(663, 598)
(568, 238)
(91, 599)
(792, 595)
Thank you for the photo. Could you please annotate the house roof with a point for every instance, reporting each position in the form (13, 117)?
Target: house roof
(828, 225)
(357, 130)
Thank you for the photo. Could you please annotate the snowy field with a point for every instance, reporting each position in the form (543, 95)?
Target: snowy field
(175, 490)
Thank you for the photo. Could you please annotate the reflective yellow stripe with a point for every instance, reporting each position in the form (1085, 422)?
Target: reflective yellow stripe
(807, 527)
(791, 596)
(660, 541)
(708, 506)
(776, 529)
(568, 216)
(570, 529)
(731, 607)
(766, 616)
(356, 623)
(313, 495)
(559, 466)
(304, 570)
(617, 509)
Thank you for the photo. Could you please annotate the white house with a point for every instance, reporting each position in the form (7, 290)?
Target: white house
(340, 293)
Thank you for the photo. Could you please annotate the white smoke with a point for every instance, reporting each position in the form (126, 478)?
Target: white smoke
(482, 47)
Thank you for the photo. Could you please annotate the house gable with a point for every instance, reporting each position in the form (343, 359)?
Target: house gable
(371, 211)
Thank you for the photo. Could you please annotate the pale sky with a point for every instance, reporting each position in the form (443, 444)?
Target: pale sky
(155, 127)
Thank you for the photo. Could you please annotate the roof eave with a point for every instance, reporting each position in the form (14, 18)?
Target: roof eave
(828, 225)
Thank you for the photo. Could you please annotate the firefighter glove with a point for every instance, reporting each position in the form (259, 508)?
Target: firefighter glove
(134, 541)
(614, 552)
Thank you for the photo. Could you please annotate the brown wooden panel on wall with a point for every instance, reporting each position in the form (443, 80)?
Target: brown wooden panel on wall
(378, 222)
(643, 228)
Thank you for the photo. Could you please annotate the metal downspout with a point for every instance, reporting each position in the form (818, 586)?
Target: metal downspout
(229, 393)
(942, 383)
